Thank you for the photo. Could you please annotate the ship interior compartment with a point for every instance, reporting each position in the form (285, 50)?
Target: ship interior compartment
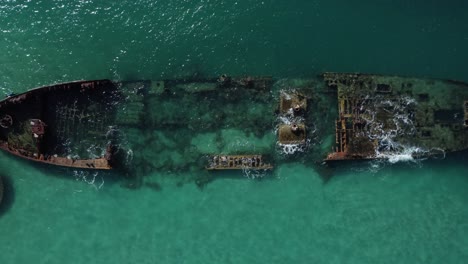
(448, 116)
(50, 120)
(15, 127)
(383, 88)
(79, 123)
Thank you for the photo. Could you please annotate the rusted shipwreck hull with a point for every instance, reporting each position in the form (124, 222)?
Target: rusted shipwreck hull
(77, 124)
(385, 117)
(65, 124)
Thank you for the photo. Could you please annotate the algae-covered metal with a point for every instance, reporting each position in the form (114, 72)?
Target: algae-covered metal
(171, 124)
(65, 124)
(238, 162)
(387, 116)
(294, 103)
(292, 134)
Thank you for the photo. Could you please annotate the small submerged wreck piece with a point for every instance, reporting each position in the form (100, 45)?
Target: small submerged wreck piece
(391, 117)
(57, 124)
(292, 134)
(238, 162)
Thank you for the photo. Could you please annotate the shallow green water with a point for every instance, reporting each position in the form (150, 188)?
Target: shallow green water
(366, 213)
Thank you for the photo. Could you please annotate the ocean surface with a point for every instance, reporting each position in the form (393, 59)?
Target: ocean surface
(406, 212)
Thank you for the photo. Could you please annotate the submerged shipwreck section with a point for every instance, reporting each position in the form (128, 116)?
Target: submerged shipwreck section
(193, 124)
(65, 124)
(190, 125)
(386, 117)
(198, 125)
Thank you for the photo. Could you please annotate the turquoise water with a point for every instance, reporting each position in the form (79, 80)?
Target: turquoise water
(365, 213)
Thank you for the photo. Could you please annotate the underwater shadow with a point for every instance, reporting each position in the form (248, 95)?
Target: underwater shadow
(452, 159)
(267, 175)
(7, 194)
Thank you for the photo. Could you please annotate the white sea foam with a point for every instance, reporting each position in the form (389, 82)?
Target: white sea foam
(288, 118)
(284, 120)
(289, 149)
(286, 94)
(389, 148)
(406, 155)
(90, 178)
(254, 174)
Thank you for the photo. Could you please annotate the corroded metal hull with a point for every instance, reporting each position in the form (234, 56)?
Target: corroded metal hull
(356, 116)
(64, 124)
(384, 117)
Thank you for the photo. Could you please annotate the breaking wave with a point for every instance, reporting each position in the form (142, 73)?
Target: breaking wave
(290, 149)
(399, 116)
